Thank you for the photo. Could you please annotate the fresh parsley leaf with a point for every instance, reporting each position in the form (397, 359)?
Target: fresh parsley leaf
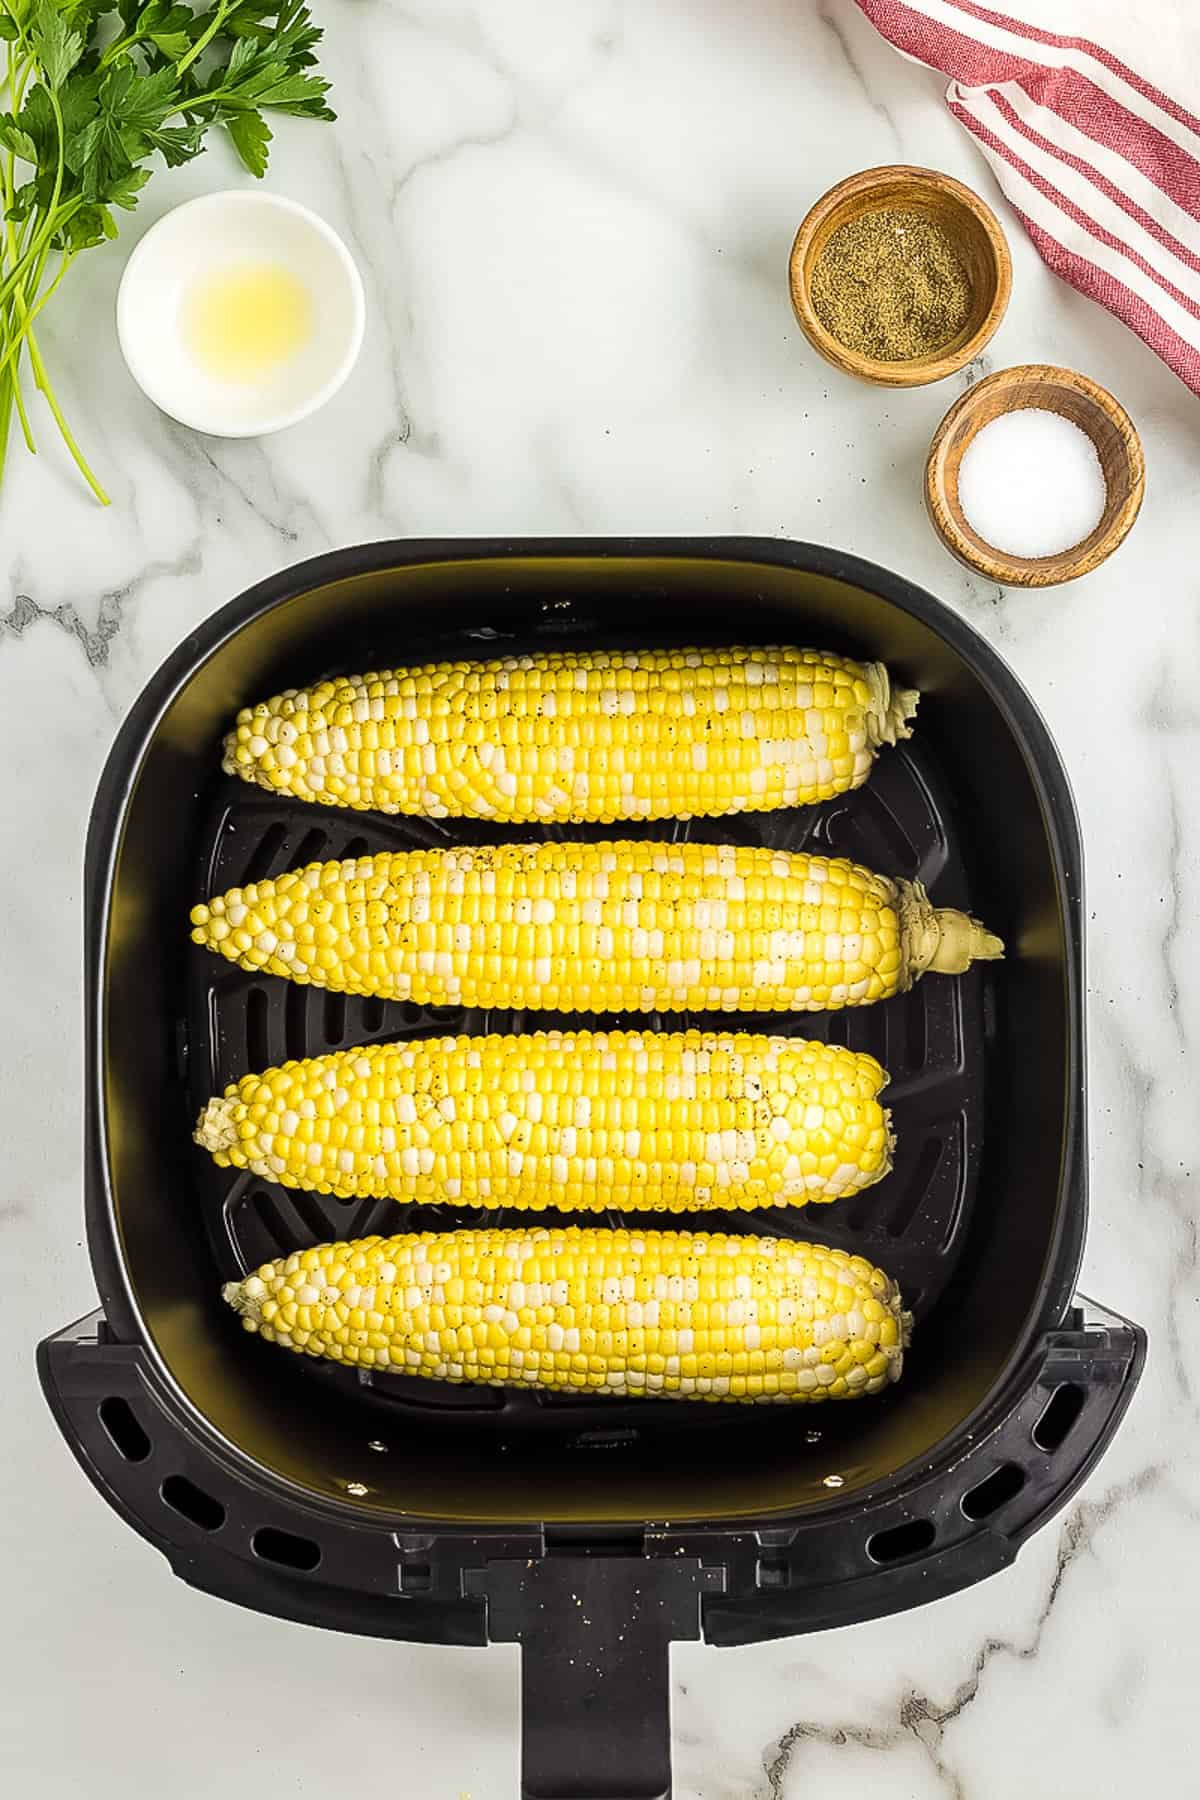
(172, 43)
(245, 50)
(36, 120)
(142, 18)
(23, 202)
(82, 16)
(78, 105)
(102, 155)
(254, 19)
(124, 190)
(269, 64)
(19, 142)
(176, 144)
(141, 101)
(89, 226)
(251, 139)
(18, 12)
(295, 34)
(169, 27)
(56, 48)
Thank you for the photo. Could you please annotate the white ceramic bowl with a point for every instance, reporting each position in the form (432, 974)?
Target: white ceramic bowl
(194, 242)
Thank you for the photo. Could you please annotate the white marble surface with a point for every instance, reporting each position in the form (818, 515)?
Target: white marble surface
(574, 223)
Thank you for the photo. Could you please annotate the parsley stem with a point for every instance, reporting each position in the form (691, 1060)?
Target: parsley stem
(6, 400)
(205, 39)
(15, 78)
(21, 336)
(13, 377)
(194, 102)
(54, 216)
(38, 249)
(41, 379)
(31, 311)
(118, 49)
(43, 382)
(38, 243)
(61, 166)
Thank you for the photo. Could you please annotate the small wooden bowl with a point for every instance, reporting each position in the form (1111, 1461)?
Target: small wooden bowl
(977, 237)
(1074, 397)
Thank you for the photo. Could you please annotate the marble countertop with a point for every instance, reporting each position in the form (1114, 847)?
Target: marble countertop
(573, 225)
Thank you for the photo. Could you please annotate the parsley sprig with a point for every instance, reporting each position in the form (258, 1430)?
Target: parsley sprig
(94, 92)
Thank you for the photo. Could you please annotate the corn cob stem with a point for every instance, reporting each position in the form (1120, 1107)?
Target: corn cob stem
(611, 927)
(577, 1120)
(890, 708)
(594, 735)
(940, 938)
(667, 1314)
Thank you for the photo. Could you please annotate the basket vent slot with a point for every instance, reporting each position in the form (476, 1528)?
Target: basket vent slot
(272, 1219)
(295, 1020)
(994, 1491)
(309, 1208)
(900, 1541)
(258, 1041)
(192, 1503)
(1058, 1416)
(123, 1427)
(310, 847)
(917, 1186)
(259, 865)
(916, 1027)
(335, 1017)
(285, 1548)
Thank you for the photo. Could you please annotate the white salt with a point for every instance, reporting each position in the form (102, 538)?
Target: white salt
(1030, 483)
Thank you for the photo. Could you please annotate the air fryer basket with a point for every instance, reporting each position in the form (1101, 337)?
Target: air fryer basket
(393, 1506)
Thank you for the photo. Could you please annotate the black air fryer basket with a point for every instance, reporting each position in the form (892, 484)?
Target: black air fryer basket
(592, 1532)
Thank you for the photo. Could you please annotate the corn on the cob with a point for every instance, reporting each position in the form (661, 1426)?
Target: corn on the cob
(600, 735)
(643, 1314)
(577, 1120)
(621, 927)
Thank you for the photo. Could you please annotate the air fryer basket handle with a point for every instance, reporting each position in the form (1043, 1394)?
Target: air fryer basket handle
(596, 1623)
(595, 1635)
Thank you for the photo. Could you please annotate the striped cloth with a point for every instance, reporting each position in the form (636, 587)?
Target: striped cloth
(1102, 165)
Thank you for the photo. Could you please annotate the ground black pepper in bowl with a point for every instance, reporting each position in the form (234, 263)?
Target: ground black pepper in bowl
(890, 285)
(899, 275)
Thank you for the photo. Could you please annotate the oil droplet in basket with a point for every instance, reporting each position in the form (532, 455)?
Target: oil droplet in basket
(241, 321)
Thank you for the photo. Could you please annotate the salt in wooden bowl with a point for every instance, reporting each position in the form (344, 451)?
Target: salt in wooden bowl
(1086, 404)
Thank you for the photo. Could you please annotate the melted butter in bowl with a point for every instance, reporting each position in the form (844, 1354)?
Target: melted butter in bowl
(243, 320)
(240, 313)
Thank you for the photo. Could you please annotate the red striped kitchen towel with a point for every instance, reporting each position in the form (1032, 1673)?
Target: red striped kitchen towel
(1101, 163)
